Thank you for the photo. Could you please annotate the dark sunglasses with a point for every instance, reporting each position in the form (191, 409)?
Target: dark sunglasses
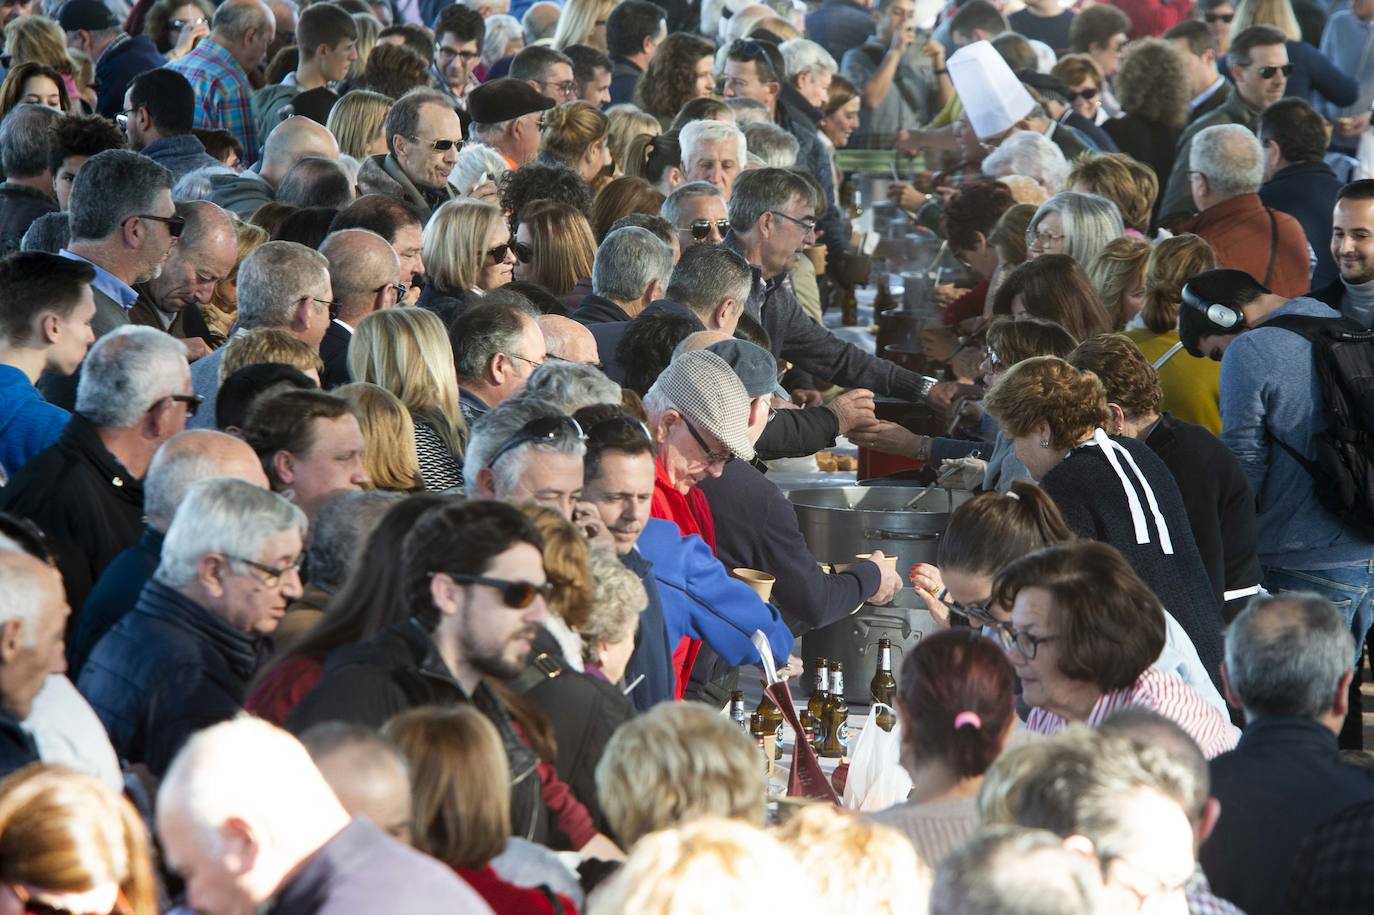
(976, 611)
(523, 252)
(1086, 95)
(515, 594)
(175, 224)
(543, 430)
(701, 228)
(439, 145)
(177, 25)
(192, 401)
(1270, 72)
(1214, 18)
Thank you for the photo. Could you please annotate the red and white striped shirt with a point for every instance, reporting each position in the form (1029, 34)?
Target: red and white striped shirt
(1165, 694)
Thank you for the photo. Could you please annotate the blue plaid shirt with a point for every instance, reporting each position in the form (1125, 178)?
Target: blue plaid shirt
(223, 93)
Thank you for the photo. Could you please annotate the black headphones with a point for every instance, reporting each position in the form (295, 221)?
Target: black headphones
(1223, 316)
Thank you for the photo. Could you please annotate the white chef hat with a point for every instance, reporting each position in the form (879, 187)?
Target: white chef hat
(993, 97)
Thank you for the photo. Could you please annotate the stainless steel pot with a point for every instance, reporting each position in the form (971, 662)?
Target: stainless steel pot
(839, 521)
(854, 641)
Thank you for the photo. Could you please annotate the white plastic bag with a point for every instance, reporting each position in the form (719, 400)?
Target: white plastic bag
(876, 777)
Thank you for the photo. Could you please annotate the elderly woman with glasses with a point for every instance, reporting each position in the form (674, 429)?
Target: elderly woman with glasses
(1073, 223)
(1083, 636)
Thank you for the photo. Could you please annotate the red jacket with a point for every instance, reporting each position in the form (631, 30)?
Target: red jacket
(286, 685)
(1240, 232)
(507, 897)
(692, 515)
(1151, 17)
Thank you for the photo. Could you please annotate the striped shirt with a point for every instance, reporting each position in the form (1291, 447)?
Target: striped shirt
(1165, 694)
(223, 93)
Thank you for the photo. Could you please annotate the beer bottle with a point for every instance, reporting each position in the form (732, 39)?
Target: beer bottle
(772, 718)
(883, 300)
(854, 205)
(737, 709)
(883, 687)
(815, 706)
(758, 730)
(835, 720)
(849, 307)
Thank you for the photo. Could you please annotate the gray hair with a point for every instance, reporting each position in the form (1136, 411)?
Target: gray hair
(1011, 870)
(1090, 222)
(707, 275)
(800, 56)
(126, 372)
(112, 186)
(691, 138)
(747, 110)
(527, 24)
(474, 159)
(773, 146)
(273, 279)
(687, 191)
(233, 21)
(198, 184)
(617, 600)
(497, 36)
(342, 526)
(570, 386)
(494, 429)
(1031, 154)
(24, 140)
(21, 590)
(230, 517)
(762, 189)
(174, 468)
(49, 233)
(628, 260)
(1230, 157)
(481, 331)
(1286, 654)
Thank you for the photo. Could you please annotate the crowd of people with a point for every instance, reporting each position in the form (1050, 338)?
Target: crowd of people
(389, 390)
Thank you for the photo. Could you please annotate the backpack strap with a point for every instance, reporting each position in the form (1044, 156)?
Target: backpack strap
(1273, 246)
(1311, 328)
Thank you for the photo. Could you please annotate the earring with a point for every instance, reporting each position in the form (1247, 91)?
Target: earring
(1044, 443)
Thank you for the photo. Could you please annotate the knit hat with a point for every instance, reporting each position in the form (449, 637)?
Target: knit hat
(706, 391)
(993, 97)
(504, 100)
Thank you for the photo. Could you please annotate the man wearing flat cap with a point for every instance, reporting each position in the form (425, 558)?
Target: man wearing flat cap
(92, 29)
(423, 138)
(506, 114)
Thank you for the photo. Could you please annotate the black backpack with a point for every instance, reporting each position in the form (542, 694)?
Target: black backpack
(1343, 470)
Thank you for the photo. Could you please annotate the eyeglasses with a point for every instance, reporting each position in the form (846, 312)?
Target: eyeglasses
(523, 252)
(1044, 240)
(177, 25)
(447, 53)
(567, 89)
(526, 359)
(327, 303)
(1271, 72)
(977, 611)
(399, 288)
(701, 228)
(515, 594)
(35, 907)
(174, 223)
(808, 225)
(438, 145)
(712, 457)
(1028, 645)
(273, 575)
(192, 401)
(994, 360)
(122, 118)
(1086, 95)
(1214, 18)
(543, 430)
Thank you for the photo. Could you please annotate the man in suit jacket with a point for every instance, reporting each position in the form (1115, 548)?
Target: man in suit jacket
(365, 274)
(205, 255)
(123, 224)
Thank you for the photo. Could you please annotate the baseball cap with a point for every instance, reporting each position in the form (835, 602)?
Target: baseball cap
(755, 366)
(86, 15)
(705, 389)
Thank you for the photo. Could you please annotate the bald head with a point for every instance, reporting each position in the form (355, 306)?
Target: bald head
(362, 267)
(203, 257)
(245, 28)
(292, 140)
(207, 226)
(567, 340)
(190, 457)
(366, 771)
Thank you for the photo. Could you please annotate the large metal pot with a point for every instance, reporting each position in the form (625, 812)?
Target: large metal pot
(854, 641)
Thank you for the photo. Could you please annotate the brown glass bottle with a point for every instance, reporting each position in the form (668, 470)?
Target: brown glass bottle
(883, 687)
(815, 706)
(849, 307)
(835, 719)
(773, 720)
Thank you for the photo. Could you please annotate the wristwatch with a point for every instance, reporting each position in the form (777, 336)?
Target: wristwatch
(927, 383)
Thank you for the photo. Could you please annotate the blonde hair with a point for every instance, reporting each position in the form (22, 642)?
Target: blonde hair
(571, 130)
(268, 344)
(674, 763)
(579, 20)
(65, 831)
(1025, 189)
(369, 27)
(858, 865)
(356, 120)
(690, 870)
(406, 351)
(389, 450)
(619, 598)
(564, 247)
(455, 242)
(1046, 389)
(1276, 13)
(40, 40)
(460, 783)
(1173, 262)
(624, 123)
(998, 795)
(1126, 182)
(1117, 269)
(566, 562)
(220, 311)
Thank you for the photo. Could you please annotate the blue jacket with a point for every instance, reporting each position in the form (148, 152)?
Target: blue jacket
(653, 654)
(165, 671)
(702, 602)
(28, 423)
(118, 65)
(114, 595)
(839, 25)
(1307, 192)
(180, 154)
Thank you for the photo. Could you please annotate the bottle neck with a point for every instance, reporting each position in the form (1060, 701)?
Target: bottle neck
(885, 659)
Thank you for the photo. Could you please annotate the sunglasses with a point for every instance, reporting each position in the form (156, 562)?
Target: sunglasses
(975, 611)
(701, 228)
(177, 25)
(1086, 95)
(439, 145)
(746, 49)
(515, 594)
(1270, 72)
(192, 401)
(1214, 18)
(523, 252)
(175, 224)
(544, 430)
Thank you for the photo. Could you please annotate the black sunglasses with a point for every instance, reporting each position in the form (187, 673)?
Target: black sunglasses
(1086, 95)
(192, 401)
(515, 594)
(439, 145)
(523, 252)
(175, 224)
(1214, 18)
(1269, 72)
(177, 25)
(541, 430)
(701, 228)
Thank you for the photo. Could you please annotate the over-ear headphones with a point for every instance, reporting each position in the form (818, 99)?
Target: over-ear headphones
(1223, 316)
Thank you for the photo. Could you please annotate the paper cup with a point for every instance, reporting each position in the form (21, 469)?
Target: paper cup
(816, 254)
(761, 582)
(888, 561)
